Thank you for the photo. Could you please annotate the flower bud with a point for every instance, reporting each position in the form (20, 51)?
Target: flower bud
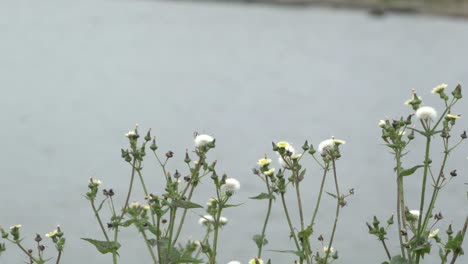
(457, 93)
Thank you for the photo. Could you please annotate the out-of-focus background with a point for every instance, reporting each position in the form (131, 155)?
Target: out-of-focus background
(75, 76)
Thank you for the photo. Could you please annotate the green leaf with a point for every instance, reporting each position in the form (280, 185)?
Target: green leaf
(127, 223)
(259, 240)
(410, 171)
(232, 205)
(263, 196)
(186, 204)
(153, 242)
(297, 253)
(398, 260)
(455, 243)
(332, 195)
(104, 246)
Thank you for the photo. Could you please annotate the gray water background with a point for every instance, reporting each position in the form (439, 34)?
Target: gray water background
(75, 76)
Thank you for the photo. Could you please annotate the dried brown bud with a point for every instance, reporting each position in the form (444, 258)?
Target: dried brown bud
(453, 173)
(169, 154)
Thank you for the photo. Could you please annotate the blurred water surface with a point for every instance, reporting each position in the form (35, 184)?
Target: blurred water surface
(76, 75)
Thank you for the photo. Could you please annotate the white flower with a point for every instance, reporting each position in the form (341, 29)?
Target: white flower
(206, 219)
(269, 172)
(95, 182)
(328, 144)
(203, 140)
(439, 88)
(15, 227)
(434, 233)
(414, 213)
(452, 116)
(131, 134)
(426, 113)
(146, 207)
(231, 186)
(134, 205)
(382, 123)
(223, 220)
(401, 133)
(325, 250)
(52, 234)
(256, 261)
(282, 144)
(264, 162)
(234, 262)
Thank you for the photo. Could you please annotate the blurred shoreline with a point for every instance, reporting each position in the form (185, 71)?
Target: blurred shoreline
(450, 8)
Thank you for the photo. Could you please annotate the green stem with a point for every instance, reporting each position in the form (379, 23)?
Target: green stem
(317, 204)
(58, 257)
(400, 203)
(301, 217)
(171, 231)
(145, 190)
(386, 249)
(25, 251)
(129, 189)
(337, 213)
(423, 191)
(150, 249)
(96, 213)
(288, 218)
(215, 237)
(435, 192)
(193, 183)
(270, 201)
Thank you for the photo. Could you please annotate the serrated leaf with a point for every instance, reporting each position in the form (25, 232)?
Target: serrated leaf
(263, 196)
(410, 171)
(186, 204)
(104, 246)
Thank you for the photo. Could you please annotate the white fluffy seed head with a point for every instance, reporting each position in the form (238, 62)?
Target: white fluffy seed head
(203, 140)
(426, 113)
(231, 185)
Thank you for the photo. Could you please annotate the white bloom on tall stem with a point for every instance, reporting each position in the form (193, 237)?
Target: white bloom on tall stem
(206, 219)
(203, 140)
(328, 145)
(234, 262)
(231, 186)
(439, 88)
(426, 113)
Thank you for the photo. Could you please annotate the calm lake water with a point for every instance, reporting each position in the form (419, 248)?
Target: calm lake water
(77, 75)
